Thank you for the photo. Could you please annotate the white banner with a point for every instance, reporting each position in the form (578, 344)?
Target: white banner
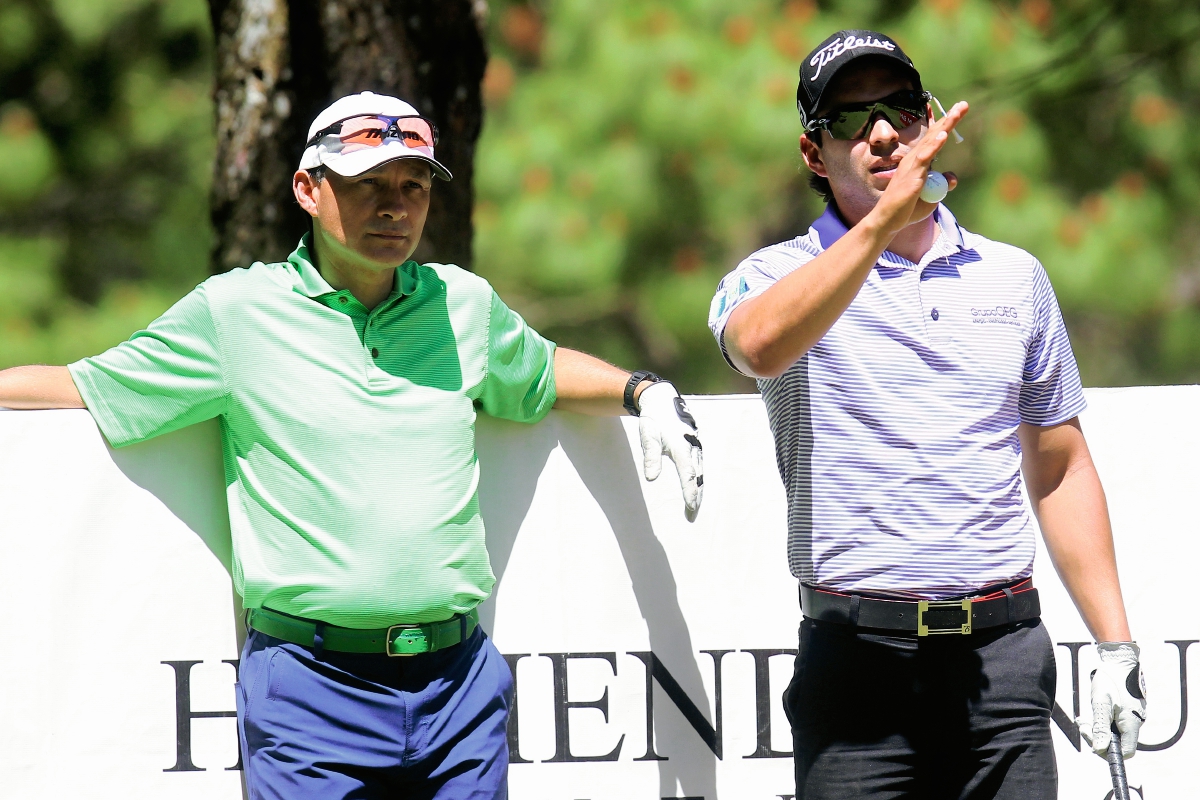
(650, 653)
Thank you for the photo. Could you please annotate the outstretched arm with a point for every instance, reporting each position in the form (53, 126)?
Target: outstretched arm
(587, 385)
(35, 387)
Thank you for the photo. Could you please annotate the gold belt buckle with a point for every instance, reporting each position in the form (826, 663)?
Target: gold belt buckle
(923, 606)
(410, 640)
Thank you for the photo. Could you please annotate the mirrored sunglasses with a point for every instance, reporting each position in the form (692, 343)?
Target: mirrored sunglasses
(901, 109)
(373, 130)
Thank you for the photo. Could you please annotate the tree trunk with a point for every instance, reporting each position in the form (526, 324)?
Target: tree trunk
(279, 62)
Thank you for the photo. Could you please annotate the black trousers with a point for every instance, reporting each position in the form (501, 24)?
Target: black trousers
(937, 718)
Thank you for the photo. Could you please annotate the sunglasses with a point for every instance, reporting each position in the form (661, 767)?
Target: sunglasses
(901, 109)
(372, 130)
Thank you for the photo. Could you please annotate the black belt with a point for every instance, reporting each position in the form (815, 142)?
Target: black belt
(1004, 606)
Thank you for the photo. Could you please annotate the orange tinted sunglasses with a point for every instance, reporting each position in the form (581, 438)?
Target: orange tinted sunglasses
(372, 130)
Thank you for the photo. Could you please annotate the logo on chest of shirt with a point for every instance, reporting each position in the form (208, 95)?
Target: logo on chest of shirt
(996, 315)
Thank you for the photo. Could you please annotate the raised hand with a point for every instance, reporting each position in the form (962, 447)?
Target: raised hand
(901, 203)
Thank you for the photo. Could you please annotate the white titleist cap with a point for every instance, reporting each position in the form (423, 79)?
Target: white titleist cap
(377, 143)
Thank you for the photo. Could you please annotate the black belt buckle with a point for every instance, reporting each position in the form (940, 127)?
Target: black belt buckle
(945, 616)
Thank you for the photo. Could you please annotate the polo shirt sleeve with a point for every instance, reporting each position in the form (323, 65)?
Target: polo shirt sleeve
(164, 378)
(520, 379)
(1051, 391)
(751, 278)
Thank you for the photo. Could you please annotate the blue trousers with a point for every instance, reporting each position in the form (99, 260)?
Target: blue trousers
(347, 726)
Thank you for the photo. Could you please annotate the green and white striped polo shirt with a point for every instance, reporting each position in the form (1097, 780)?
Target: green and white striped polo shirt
(348, 435)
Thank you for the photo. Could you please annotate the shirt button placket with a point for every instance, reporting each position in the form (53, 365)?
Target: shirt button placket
(367, 336)
(930, 313)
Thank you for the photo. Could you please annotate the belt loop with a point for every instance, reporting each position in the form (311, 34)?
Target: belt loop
(1012, 604)
(855, 602)
(462, 628)
(319, 639)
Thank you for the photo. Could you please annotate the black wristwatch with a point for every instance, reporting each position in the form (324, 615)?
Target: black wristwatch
(635, 380)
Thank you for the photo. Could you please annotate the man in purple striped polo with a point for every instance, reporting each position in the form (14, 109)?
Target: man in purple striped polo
(914, 373)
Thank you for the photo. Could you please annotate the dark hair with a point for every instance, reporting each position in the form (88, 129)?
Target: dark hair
(821, 187)
(816, 182)
(317, 173)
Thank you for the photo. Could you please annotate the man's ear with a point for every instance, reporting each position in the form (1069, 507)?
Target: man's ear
(812, 155)
(307, 190)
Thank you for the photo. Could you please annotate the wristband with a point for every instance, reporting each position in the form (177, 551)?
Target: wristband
(635, 380)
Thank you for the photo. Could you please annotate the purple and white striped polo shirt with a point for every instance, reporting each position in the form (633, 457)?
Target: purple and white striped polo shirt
(896, 434)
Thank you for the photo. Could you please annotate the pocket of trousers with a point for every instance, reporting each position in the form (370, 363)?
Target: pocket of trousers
(791, 695)
(261, 677)
(1049, 678)
(508, 681)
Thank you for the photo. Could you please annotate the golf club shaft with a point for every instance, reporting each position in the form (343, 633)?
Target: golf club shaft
(1116, 767)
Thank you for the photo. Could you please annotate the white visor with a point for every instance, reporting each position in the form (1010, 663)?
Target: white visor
(351, 160)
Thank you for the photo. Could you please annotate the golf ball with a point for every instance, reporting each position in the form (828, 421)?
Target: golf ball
(936, 187)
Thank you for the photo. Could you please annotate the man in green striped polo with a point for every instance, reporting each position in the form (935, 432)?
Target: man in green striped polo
(347, 380)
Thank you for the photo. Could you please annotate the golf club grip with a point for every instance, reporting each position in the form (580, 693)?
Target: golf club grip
(1116, 767)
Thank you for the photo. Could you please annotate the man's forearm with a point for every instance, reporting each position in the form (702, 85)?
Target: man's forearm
(769, 333)
(37, 387)
(1078, 535)
(587, 385)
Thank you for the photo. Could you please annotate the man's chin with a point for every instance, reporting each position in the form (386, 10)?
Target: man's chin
(388, 250)
(879, 182)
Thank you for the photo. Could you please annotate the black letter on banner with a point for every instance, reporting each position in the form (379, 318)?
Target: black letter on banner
(655, 671)
(1182, 645)
(562, 731)
(1067, 724)
(184, 716)
(514, 740)
(762, 701)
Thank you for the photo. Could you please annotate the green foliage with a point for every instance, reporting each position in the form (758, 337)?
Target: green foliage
(635, 151)
(106, 124)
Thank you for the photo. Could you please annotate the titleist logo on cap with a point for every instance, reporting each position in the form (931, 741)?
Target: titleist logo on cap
(834, 49)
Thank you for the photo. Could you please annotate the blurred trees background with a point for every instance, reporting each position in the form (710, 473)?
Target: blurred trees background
(280, 62)
(633, 151)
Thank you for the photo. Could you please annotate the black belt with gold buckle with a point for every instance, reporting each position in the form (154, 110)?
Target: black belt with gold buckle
(991, 608)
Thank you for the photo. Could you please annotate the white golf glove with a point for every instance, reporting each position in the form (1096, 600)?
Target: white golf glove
(666, 426)
(1118, 694)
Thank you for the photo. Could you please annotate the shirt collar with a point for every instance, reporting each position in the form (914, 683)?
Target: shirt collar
(829, 227)
(311, 283)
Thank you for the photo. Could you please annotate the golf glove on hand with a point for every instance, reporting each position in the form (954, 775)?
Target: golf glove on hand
(666, 426)
(1118, 695)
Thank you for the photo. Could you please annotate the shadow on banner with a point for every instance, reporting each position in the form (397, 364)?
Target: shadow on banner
(600, 452)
